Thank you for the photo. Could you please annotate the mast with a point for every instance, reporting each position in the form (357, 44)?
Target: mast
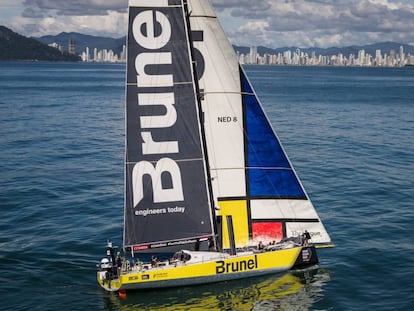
(201, 118)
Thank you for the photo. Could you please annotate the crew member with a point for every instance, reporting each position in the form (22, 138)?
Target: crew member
(305, 238)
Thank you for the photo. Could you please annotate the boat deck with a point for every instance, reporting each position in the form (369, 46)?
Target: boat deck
(203, 267)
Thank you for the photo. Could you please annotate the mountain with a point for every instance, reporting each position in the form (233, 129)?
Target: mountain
(83, 41)
(17, 47)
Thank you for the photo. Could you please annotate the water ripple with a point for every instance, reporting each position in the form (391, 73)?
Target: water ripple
(348, 132)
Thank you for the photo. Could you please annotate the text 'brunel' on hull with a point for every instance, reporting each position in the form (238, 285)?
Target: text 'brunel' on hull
(236, 266)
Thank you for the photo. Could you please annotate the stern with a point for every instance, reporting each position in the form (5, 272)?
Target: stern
(307, 257)
(108, 283)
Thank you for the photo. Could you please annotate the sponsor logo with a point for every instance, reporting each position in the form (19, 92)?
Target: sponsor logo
(160, 275)
(306, 255)
(236, 266)
(133, 278)
(152, 31)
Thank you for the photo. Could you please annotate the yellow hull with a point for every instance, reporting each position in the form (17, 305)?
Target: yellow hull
(242, 265)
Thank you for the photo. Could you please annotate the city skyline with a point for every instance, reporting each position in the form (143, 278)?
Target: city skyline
(296, 57)
(385, 54)
(310, 23)
(299, 58)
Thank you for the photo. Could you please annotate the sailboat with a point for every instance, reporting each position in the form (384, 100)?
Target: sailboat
(205, 173)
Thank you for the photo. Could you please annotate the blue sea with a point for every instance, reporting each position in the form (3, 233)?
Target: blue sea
(348, 131)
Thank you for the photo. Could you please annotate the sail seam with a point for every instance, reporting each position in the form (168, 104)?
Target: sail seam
(302, 220)
(261, 198)
(237, 93)
(251, 167)
(206, 16)
(269, 168)
(177, 160)
(175, 83)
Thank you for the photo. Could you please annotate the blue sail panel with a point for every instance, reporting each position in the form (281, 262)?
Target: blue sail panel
(269, 171)
(276, 183)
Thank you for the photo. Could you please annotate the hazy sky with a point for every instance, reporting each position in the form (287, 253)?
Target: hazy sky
(272, 23)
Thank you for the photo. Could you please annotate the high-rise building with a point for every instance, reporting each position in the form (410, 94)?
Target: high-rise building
(123, 53)
(95, 54)
(72, 46)
(88, 55)
(392, 58)
(361, 58)
(378, 58)
(402, 56)
(253, 55)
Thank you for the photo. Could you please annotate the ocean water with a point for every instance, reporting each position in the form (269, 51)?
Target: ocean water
(348, 131)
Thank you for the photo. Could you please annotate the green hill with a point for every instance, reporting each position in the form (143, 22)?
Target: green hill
(82, 41)
(17, 47)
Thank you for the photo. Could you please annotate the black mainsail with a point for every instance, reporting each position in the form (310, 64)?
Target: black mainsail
(167, 199)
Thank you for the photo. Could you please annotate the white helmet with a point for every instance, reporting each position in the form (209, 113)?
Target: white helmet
(105, 263)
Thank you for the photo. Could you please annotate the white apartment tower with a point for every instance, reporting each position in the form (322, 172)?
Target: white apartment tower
(402, 56)
(378, 57)
(361, 57)
(253, 55)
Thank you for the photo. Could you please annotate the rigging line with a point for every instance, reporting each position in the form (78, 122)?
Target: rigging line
(204, 93)
(269, 168)
(203, 16)
(251, 167)
(297, 220)
(229, 92)
(178, 160)
(175, 83)
(227, 168)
